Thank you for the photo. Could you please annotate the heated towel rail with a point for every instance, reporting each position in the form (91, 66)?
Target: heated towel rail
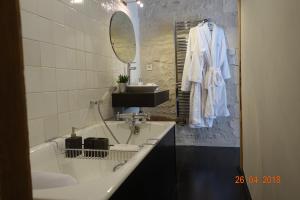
(182, 29)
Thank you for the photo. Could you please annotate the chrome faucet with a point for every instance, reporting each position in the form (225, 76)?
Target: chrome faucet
(131, 119)
(129, 68)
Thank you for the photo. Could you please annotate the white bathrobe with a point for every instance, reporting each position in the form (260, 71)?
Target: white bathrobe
(205, 69)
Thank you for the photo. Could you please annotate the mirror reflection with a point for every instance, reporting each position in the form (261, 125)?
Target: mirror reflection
(122, 37)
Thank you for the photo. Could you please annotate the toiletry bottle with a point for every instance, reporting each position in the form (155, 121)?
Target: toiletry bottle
(73, 142)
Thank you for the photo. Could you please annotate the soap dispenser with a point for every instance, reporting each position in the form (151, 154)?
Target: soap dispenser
(73, 142)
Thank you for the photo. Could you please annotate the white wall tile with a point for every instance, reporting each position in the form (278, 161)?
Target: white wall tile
(80, 40)
(80, 79)
(64, 126)
(73, 79)
(75, 119)
(68, 2)
(74, 100)
(46, 30)
(92, 79)
(101, 79)
(61, 57)
(36, 132)
(63, 101)
(81, 21)
(59, 33)
(70, 16)
(41, 104)
(97, 45)
(90, 63)
(105, 79)
(95, 48)
(100, 66)
(32, 52)
(84, 115)
(71, 59)
(80, 59)
(46, 8)
(70, 36)
(83, 100)
(58, 12)
(88, 43)
(90, 116)
(30, 25)
(47, 55)
(51, 127)
(48, 79)
(32, 79)
(89, 94)
(34, 105)
(105, 63)
(49, 106)
(61, 78)
(29, 5)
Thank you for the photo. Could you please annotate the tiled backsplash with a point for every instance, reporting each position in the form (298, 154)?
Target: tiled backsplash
(68, 62)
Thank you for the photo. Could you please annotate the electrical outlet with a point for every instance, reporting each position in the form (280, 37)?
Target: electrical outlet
(149, 67)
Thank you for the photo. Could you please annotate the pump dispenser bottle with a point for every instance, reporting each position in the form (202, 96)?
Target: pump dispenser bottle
(73, 145)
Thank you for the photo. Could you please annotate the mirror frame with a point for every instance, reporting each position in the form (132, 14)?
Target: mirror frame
(110, 23)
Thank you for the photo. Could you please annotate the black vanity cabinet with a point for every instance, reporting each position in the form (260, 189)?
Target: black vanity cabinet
(155, 177)
(144, 99)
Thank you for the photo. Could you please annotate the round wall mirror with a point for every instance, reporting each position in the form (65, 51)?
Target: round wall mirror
(122, 37)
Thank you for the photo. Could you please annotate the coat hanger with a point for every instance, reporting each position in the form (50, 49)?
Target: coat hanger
(209, 22)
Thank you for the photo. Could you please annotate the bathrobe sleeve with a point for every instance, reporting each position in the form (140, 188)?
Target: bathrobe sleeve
(186, 83)
(194, 61)
(224, 60)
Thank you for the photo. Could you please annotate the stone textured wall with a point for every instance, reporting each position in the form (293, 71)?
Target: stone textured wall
(157, 21)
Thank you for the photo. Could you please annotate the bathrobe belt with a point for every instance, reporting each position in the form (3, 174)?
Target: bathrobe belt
(213, 78)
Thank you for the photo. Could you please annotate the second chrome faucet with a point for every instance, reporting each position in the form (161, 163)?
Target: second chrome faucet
(132, 118)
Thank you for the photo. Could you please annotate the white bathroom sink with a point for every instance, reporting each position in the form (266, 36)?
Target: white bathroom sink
(141, 88)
